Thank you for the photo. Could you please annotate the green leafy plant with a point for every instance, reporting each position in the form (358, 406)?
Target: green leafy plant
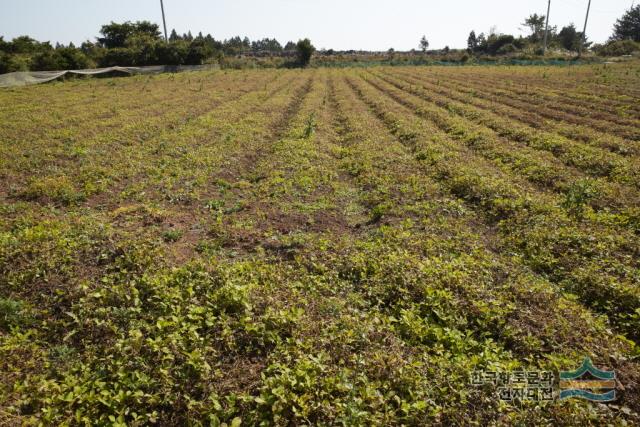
(310, 126)
(578, 196)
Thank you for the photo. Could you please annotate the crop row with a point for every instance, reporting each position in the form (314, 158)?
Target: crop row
(523, 112)
(599, 84)
(89, 162)
(584, 258)
(591, 160)
(539, 167)
(76, 124)
(446, 234)
(552, 106)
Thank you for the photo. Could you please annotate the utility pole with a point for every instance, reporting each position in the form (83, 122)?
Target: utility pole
(164, 21)
(584, 32)
(546, 28)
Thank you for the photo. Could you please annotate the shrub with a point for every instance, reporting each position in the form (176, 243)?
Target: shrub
(618, 48)
(496, 43)
(197, 53)
(506, 49)
(4, 63)
(171, 54)
(118, 56)
(60, 59)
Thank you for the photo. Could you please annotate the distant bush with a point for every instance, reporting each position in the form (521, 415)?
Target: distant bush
(197, 53)
(158, 53)
(118, 56)
(4, 63)
(618, 48)
(507, 49)
(20, 63)
(171, 53)
(11, 63)
(61, 59)
(499, 44)
(243, 63)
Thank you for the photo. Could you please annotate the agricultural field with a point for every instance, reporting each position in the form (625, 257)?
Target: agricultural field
(319, 246)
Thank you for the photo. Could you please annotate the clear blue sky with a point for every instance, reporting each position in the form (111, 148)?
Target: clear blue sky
(338, 24)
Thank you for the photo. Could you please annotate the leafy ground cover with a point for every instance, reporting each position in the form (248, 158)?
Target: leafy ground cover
(318, 247)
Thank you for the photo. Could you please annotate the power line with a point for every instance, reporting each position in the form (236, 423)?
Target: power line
(164, 21)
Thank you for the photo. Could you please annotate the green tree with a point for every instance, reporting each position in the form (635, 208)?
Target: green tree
(213, 44)
(174, 53)
(305, 51)
(424, 44)
(4, 46)
(472, 42)
(266, 45)
(570, 38)
(628, 27)
(236, 45)
(174, 36)
(116, 35)
(482, 43)
(144, 47)
(535, 23)
(25, 44)
(199, 50)
(92, 50)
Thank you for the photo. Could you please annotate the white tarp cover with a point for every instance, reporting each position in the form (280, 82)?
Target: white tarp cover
(24, 78)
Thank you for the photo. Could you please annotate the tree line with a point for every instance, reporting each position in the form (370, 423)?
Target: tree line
(625, 38)
(141, 43)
